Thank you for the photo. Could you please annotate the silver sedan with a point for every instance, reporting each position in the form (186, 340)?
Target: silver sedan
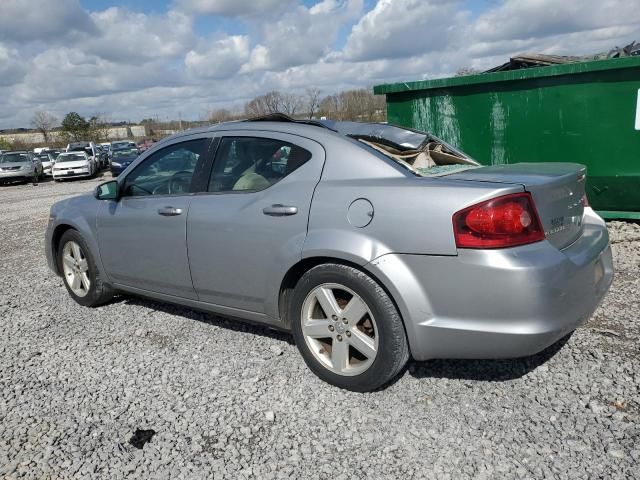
(370, 243)
(20, 165)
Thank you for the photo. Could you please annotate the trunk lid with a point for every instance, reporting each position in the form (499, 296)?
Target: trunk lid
(557, 190)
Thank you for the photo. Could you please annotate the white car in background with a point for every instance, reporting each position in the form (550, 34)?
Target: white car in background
(72, 165)
(92, 150)
(47, 158)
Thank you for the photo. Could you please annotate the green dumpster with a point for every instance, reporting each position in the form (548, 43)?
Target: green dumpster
(581, 112)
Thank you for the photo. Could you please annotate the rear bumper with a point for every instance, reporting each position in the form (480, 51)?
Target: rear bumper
(498, 303)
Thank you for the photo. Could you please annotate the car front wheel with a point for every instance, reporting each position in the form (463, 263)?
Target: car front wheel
(82, 279)
(347, 329)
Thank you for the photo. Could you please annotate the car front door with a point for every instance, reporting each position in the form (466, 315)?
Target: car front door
(142, 236)
(251, 224)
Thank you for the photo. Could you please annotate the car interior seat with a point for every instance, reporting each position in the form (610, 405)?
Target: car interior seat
(249, 179)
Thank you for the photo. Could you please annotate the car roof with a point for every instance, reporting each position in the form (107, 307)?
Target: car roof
(318, 130)
(271, 123)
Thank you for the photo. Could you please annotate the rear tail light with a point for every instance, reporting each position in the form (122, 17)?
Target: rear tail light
(501, 222)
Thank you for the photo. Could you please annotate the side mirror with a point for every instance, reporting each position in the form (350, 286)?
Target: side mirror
(107, 191)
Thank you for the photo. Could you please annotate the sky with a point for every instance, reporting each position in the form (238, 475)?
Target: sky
(170, 59)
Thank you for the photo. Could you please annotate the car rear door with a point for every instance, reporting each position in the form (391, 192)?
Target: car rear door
(142, 236)
(250, 226)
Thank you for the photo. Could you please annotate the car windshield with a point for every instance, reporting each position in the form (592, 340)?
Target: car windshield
(87, 150)
(124, 153)
(14, 158)
(70, 157)
(44, 157)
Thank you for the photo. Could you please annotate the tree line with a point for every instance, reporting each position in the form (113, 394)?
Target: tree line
(74, 127)
(356, 105)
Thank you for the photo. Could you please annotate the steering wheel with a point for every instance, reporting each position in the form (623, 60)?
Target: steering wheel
(179, 182)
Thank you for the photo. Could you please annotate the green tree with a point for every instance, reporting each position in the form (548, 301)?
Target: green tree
(75, 126)
(5, 144)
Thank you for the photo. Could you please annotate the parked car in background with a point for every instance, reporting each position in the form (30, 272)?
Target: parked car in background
(74, 164)
(103, 156)
(19, 165)
(371, 243)
(92, 151)
(123, 145)
(47, 158)
(121, 159)
(106, 146)
(145, 145)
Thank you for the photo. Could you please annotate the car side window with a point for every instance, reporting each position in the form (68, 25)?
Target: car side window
(252, 164)
(169, 171)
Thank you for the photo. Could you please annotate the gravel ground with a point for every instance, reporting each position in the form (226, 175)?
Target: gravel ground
(82, 389)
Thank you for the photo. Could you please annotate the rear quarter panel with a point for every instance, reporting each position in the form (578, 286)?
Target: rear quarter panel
(411, 214)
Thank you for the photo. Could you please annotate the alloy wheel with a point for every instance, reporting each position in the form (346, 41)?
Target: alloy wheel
(76, 269)
(339, 329)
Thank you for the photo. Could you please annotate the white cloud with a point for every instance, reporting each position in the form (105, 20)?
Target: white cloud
(302, 36)
(48, 20)
(235, 8)
(12, 70)
(404, 28)
(548, 26)
(60, 74)
(134, 37)
(220, 59)
(526, 19)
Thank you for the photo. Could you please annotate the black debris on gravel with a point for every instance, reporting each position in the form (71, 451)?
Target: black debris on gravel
(141, 437)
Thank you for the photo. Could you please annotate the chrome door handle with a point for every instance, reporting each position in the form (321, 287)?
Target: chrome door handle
(278, 210)
(169, 211)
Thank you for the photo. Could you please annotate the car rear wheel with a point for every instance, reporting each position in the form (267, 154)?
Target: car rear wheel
(347, 328)
(82, 279)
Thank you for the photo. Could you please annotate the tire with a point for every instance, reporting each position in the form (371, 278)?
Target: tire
(381, 326)
(98, 292)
